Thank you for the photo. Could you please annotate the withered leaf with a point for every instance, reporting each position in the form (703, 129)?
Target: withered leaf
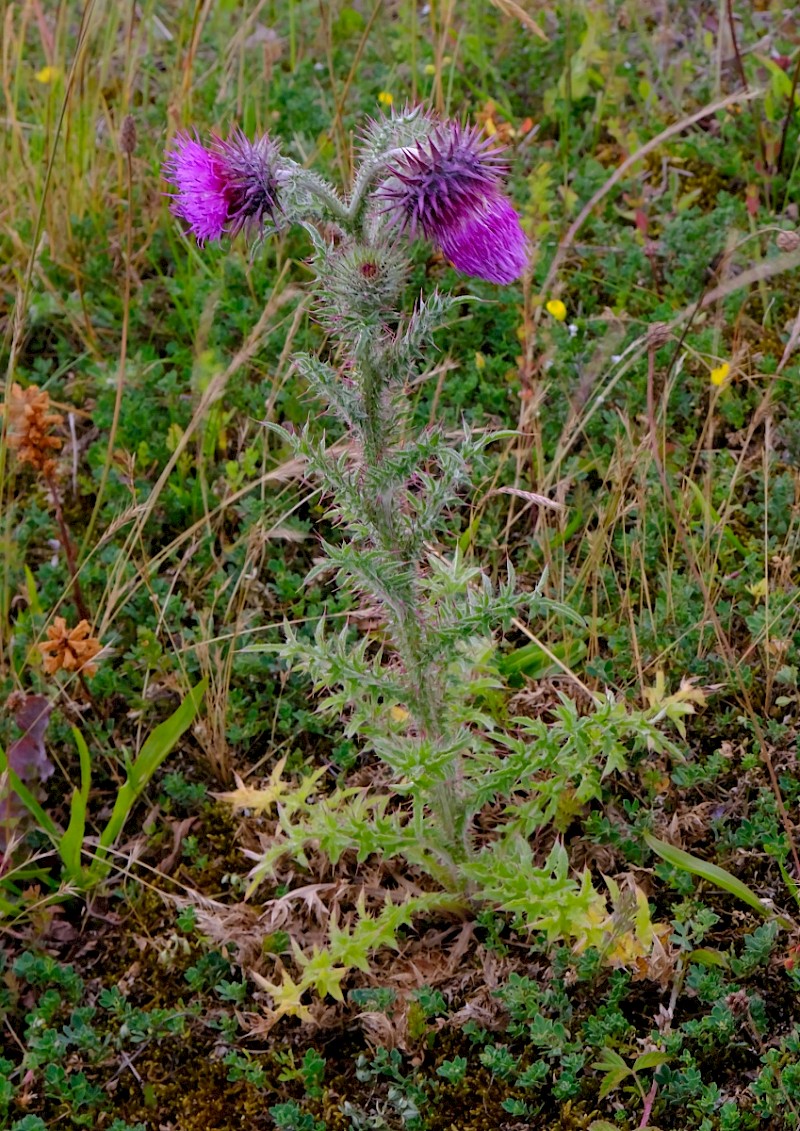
(26, 755)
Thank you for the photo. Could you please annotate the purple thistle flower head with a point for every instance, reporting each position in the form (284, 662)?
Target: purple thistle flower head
(448, 187)
(225, 188)
(252, 183)
(202, 197)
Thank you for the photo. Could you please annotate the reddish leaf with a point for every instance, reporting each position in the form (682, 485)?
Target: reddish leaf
(26, 755)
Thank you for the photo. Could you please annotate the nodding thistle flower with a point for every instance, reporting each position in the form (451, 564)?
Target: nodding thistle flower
(448, 187)
(252, 182)
(202, 197)
(223, 188)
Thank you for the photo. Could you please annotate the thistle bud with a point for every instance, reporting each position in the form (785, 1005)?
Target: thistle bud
(362, 281)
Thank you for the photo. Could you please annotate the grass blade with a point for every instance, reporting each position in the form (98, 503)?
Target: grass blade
(155, 750)
(712, 873)
(71, 843)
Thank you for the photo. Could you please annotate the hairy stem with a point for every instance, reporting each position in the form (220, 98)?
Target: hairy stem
(374, 431)
(367, 176)
(320, 188)
(407, 618)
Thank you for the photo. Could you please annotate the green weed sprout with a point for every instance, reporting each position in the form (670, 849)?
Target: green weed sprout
(415, 696)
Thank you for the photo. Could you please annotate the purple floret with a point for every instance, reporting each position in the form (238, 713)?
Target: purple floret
(203, 196)
(489, 243)
(448, 188)
(226, 188)
(251, 181)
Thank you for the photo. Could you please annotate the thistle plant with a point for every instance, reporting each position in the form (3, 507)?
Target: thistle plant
(416, 693)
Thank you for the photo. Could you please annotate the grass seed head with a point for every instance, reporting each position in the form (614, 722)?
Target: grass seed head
(127, 135)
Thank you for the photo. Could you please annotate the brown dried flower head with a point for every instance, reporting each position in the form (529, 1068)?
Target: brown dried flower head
(788, 241)
(127, 135)
(29, 425)
(71, 649)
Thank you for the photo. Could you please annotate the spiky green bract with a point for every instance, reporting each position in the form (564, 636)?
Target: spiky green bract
(397, 130)
(415, 332)
(359, 290)
(421, 480)
(333, 387)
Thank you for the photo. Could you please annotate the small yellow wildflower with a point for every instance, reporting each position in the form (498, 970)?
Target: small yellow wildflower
(398, 714)
(480, 361)
(48, 75)
(759, 590)
(720, 375)
(430, 69)
(556, 307)
(385, 98)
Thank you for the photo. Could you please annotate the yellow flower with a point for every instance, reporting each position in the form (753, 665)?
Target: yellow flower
(48, 75)
(385, 98)
(430, 69)
(720, 375)
(556, 307)
(759, 590)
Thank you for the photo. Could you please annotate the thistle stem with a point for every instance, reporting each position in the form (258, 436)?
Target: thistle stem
(324, 193)
(409, 633)
(366, 178)
(374, 431)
